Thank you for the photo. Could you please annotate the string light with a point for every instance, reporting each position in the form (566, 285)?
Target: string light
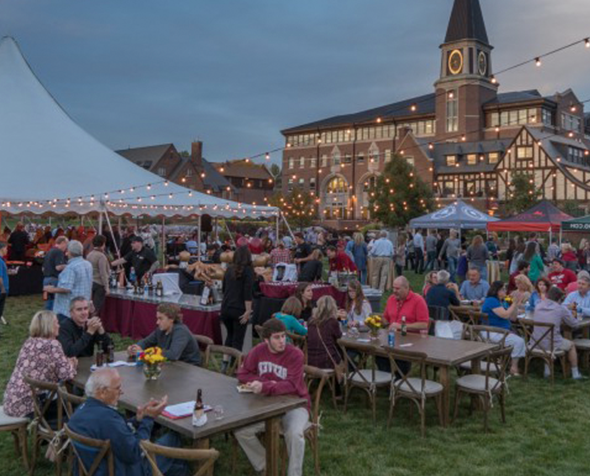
(587, 42)
(538, 62)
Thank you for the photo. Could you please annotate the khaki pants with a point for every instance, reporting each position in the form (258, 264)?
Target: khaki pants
(294, 424)
(380, 273)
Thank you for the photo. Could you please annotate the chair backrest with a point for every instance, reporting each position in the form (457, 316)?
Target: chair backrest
(258, 329)
(204, 342)
(415, 358)
(152, 450)
(98, 450)
(364, 351)
(439, 313)
(68, 401)
(214, 351)
(461, 314)
(300, 342)
(44, 394)
(546, 333)
(313, 374)
(478, 317)
(482, 334)
(496, 368)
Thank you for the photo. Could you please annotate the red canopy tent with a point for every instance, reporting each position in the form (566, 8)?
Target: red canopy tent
(543, 217)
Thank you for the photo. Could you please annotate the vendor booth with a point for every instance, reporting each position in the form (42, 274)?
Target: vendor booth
(457, 216)
(544, 217)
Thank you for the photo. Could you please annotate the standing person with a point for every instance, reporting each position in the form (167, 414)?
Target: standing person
(518, 255)
(410, 252)
(312, 269)
(431, 242)
(75, 280)
(100, 272)
(477, 255)
(302, 252)
(359, 253)
(553, 251)
(4, 283)
(140, 257)
(560, 276)
(236, 306)
(419, 252)
(275, 368)
(357, 308)
(381, 254)
(569, 258)
(551, 311)
(304, 293)
(53, 264)
(537, 268)
(492, 247)
(18, 241)
(400, 256)
(450, 252)
(42, 358)
(440, 242)
(510, 253)
(499, 315)
(323, 334)
(339, 260)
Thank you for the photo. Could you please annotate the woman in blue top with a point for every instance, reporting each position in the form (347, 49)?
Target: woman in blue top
(499, 315)
(289, 315)
(541, 288)
(359, 254)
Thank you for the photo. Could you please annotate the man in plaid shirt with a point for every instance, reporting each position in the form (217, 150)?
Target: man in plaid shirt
(75, 280)
(280, 255)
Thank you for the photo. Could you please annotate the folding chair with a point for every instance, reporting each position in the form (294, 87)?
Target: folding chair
(535, 349)
(415, 389)
(99, 449)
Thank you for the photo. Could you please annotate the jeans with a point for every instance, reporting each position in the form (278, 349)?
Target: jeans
(419, 263)
(363, 275)
(2, 302)
(293, 424)
(452, 263)
(430, 261)
(49, 281)
(98, 297)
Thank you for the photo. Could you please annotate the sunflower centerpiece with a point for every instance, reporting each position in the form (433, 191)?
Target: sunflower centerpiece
(152, 360)
(375, 323)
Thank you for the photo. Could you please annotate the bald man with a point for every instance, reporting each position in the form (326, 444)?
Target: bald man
(405, 303)
(98, 418)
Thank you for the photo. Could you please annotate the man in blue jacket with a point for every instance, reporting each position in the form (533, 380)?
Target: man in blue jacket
(98, 418)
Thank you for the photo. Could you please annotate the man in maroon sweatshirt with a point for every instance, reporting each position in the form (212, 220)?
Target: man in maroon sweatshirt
(275, 368)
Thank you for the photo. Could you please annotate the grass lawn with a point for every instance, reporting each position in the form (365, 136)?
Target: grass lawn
(544, 434)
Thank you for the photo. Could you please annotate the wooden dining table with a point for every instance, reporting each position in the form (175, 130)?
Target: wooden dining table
(180, 382)
(441, 353)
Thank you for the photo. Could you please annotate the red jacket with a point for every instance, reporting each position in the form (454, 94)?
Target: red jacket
(562, 278)
(342, 261)
(280, 374)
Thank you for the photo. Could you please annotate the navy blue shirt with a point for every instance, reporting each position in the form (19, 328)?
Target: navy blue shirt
(440, 296)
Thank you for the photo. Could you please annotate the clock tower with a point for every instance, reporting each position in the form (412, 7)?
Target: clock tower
(466, 81)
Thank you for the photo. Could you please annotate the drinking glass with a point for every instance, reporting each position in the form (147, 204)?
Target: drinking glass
(423, 333)
(218, 412)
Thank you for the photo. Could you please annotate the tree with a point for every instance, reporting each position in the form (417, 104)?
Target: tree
(399, 194)
(571, 207)
(298, 207)
(522, 193)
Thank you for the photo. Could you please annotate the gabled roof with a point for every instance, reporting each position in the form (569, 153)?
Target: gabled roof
(466, 22)
(242, 169)
(516, 96)
(425, 105)
(213, 179)
(556, 146)
(461, 149)
(140, 155)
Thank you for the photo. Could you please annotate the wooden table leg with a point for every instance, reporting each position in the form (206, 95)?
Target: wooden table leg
(273, 428)
(446, 398)
(203, 444)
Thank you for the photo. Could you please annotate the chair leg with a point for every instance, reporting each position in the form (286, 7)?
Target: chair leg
(485, 414)
(391, 410)
(35, 452)
(373, 397)
(346, 390)
(422, 411)
(526, 367)
(552, 370)
(502, 399)
(458, 395)
(440, 410)
(316, 453)
(234, 454)
(332, 382)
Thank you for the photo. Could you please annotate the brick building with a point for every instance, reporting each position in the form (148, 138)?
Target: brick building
(192, 172)
(466, 138)
(253, 183)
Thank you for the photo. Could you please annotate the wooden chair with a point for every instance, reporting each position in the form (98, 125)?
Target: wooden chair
(486, 387)
(42, 428)
(478, 318)
(462, 314)
(207, 457)
(100, 449)
(213, 361)
(534, 349)
(312, 433)
(69, 403)
(299, 342)
(583, 348)
(482, 334)
(363, 375)
(18, 428)
(204, 342)
(415, 389)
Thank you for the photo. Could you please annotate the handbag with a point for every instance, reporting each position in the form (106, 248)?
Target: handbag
(339, 369)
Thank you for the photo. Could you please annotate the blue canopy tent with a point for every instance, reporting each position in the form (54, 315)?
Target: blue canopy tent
(457, 216)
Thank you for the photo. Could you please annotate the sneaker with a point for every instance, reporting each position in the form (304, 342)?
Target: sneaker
(580, 377)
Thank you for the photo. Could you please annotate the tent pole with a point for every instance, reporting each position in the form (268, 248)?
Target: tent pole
(216, 229)
(99, 223)
(229, 232)
(288, 227)
(277, 229)
(163, 241)
(106, 214)
(560, 237)
(199, 238)
(551, 236)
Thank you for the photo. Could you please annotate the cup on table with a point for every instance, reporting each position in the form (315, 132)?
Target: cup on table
(423, 333)
(218, 412)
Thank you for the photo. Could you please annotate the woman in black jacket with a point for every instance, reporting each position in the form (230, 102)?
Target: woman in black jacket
(236, 307)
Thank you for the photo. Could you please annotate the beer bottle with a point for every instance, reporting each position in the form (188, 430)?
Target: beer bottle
(110, 354)
(159, 289)
(99, 356)
(404, 327)
(199, 416)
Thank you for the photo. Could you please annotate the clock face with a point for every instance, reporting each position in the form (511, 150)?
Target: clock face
(456, 62)
(482, 63)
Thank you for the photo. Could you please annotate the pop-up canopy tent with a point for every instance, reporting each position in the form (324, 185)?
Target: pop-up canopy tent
(51, 165)
(577, 224)
(459, 216)
(543, 217)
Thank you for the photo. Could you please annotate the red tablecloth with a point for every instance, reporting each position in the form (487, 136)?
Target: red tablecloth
(283, 291)
(138, 319)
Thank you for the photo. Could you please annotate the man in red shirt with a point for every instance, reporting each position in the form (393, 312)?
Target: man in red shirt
(339, 260)
(561, 276)
(404, 302)
(275, 368)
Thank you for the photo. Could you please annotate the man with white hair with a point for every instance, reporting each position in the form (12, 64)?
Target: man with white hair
(443, 294)
(98, 418)
(580, 299)
(75, 280)
(382, 254)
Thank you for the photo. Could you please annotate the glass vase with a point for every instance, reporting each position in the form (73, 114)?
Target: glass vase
(152, 372)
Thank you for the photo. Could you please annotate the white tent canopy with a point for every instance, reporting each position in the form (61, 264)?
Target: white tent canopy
(50, 164)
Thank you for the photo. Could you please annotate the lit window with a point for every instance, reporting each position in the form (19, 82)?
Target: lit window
(291, 162)
(493, 157)
(302, 162)
(451, 160)
(472, 159)
(452, 111)
(524, 153)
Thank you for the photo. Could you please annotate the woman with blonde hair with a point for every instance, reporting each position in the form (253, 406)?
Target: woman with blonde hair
(359, 251)
(570, 260)
(431, 279)
(322, 335)
(524, 289)
(42, 358)
(477, 255)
